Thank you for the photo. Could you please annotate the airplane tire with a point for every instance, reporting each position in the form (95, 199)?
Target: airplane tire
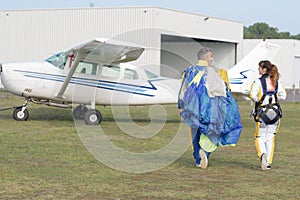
(19, 115)
(92, 117)
(79, 112)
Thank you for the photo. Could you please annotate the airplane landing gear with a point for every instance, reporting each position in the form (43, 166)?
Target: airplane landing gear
(21, 114)
(90, 117)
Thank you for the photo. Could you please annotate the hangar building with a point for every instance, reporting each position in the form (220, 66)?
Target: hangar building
(171, 38)
(287, 59)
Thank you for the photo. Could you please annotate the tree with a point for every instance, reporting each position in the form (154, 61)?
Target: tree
(296, 37)
(261, 30)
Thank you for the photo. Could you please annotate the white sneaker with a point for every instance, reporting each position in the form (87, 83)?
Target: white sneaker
(204, 161)
(263, 161)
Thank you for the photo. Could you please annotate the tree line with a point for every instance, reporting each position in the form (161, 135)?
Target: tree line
(261, 30)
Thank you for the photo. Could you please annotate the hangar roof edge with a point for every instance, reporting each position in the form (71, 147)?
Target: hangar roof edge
(126, 7)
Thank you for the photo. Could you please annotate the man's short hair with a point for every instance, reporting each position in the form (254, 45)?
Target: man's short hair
(202, 52)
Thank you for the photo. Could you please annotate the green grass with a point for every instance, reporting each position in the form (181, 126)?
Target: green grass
(44, 158)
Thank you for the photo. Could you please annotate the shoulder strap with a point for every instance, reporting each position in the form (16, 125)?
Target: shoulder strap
(264, 88)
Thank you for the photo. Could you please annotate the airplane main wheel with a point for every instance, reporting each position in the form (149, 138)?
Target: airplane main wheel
(79, 112)
(20, 115)
(92, 117)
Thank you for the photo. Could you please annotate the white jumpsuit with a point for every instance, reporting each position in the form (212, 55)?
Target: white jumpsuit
(265, 133)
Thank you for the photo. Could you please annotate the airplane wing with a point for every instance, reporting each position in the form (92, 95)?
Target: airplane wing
(107, 51)
(100, 50)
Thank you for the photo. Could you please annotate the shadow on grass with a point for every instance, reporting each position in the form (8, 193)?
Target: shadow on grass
(221, 159)
(50, 113)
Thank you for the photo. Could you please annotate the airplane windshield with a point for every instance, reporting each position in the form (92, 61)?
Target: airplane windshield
(58, 60)
(150, 74)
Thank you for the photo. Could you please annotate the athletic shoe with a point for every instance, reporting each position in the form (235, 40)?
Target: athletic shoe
(269, 166)
(204, 161)
(263, 161)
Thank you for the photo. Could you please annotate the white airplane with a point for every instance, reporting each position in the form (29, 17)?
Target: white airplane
(96, 73)
(242, 75)
(93, 73)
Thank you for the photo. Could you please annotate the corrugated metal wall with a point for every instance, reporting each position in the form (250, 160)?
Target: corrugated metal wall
(35, 34)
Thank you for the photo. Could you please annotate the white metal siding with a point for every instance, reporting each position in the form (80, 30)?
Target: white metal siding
(35, 34)
(198, 26)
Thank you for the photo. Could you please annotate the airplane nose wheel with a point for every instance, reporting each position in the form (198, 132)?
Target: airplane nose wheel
(92, 117)
(21, 114)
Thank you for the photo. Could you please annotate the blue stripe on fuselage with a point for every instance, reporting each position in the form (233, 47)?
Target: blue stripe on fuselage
(108, 85)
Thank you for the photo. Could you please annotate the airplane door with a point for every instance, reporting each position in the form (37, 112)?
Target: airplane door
(83, 85)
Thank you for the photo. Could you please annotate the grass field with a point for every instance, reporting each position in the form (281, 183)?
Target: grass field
(44, 158)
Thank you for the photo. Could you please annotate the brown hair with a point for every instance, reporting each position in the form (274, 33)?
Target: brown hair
(272, 70)
(274, 74)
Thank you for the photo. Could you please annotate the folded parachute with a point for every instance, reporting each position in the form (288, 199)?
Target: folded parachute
(214, 112)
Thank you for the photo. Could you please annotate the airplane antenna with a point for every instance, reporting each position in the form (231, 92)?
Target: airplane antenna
(92, 4)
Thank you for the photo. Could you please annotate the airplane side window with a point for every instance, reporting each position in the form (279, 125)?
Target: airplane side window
(130, 74)
(87, 68)
(110, 71)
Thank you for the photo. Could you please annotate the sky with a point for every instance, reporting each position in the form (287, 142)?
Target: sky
(283, 15)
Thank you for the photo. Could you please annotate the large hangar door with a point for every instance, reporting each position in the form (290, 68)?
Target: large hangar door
(177, 53)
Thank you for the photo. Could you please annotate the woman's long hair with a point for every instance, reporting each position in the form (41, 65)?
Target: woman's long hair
(274, 74)
(272, 70)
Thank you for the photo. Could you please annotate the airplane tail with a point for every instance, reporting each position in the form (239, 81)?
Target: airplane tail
(245, 72)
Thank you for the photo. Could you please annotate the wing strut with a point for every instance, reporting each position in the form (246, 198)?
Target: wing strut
(69, 76)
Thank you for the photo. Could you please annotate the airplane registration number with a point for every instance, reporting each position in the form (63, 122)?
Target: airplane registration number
(27, 90)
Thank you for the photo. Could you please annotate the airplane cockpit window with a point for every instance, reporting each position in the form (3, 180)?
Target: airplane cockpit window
(87, 68)
(130, 74)
(110, 71)
(151, 75)
(58, 60)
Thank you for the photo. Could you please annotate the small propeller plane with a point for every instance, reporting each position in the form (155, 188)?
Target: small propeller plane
(93, 73)
(97, 73)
